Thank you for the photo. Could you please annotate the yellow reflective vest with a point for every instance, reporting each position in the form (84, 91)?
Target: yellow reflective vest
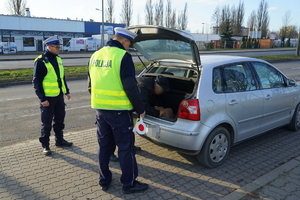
(50, 82)
(107, 92)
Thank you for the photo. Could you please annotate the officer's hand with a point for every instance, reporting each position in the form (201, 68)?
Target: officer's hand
(161, 113)
(143, 115)
(68, 96)
(45, 103)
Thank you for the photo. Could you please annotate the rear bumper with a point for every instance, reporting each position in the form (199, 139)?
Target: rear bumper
(182, 136)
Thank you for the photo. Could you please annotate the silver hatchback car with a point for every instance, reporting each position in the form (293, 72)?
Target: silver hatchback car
(218, 101)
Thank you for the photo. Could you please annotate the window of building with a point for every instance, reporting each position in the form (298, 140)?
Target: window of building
(8, 39)
(28, 41)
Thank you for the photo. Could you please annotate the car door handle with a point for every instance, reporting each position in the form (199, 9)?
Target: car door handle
(233, 102)
(268, 97)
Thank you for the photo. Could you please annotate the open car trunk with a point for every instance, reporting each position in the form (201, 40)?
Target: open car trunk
(180, 89)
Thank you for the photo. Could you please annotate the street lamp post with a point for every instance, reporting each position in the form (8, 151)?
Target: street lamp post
(102, 26)
(206, 30)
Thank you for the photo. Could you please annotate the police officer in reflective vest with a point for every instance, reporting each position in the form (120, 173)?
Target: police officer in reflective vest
(114, 95)
(51, 87)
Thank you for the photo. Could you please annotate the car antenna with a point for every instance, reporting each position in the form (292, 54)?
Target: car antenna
(139, 58)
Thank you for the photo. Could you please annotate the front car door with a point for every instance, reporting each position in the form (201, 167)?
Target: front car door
(244, 101)
(278, 98)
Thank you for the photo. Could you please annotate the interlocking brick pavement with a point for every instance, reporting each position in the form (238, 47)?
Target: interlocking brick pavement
(72, 173)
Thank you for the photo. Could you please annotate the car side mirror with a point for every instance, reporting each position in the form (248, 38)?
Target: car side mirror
(292, 82)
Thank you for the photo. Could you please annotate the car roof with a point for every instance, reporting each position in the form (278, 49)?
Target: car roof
(208, 61)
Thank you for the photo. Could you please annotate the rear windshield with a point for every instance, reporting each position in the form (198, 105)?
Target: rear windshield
(174, 71)
(165, 49)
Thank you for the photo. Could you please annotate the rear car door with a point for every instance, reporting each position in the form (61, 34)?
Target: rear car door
(244, 100)
(278, 98)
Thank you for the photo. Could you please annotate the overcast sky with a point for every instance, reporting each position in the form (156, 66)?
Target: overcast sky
(199, 11)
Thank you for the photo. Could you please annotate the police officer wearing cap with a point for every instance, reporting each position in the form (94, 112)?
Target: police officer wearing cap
(114, 95)
(51, 87)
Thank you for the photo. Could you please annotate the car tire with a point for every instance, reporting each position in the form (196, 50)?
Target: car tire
(295, 122)
(215, 149)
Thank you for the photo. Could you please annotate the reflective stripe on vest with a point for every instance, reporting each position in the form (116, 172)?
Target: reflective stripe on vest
(50, 82)
(107, 90)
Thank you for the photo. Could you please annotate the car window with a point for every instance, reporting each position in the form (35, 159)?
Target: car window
(269, 76)
(217, 80)
(238, 78)
(175, 71)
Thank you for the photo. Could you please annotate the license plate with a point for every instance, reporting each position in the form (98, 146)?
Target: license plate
(153, 131)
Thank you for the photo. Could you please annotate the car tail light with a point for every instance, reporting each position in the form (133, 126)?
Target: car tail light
(86, 46)
(189, 109)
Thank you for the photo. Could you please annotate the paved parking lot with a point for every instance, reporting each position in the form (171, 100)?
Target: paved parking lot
(72, 173)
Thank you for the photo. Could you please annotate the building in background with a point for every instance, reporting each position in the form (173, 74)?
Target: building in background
(29, 32)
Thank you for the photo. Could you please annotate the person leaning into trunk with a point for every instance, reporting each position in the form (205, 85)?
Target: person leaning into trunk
(114, 95)
(149, 87)
(51, 87)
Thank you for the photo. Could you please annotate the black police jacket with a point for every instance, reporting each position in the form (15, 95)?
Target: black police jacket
(40, 71)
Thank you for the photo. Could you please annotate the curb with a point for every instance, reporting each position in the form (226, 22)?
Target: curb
(263, 180)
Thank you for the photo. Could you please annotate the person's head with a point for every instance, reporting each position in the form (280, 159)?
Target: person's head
(53, 44)
(123, 40)
(124, 36)
(161, 85)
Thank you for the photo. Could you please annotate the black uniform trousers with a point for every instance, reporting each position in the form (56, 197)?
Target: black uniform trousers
(54, 112)
(115, 128)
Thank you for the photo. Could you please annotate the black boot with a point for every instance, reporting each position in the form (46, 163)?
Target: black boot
(47, 151)
(137, 148)
(114, 158)
(138, 187)
(63, 143)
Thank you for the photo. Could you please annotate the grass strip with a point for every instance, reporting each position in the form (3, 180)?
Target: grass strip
(11, 75)
(278, 57)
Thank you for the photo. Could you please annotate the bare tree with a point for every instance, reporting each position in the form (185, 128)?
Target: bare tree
(225, 17)
(216, 20)
(262, 18)
(286, 19)
(110, 11)
(233, 22)
(149, 12)
(173, 22)
(159, 13)
(16, 6)
(168, 14)
(126, 13)
(240, 13)
(252, 21)
(234, 14)
(182, 19)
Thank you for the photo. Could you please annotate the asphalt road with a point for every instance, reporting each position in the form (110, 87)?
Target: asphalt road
(14, 64)
(20, 115)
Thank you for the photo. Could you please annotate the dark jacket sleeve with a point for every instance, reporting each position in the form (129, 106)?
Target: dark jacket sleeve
(89, 82)
(150, 110)
(89, 78)
(39, 73)
(127, 74)
(67, 88)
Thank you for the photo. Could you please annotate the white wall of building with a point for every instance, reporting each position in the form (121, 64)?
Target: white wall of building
(39, 24)
(205, 37)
